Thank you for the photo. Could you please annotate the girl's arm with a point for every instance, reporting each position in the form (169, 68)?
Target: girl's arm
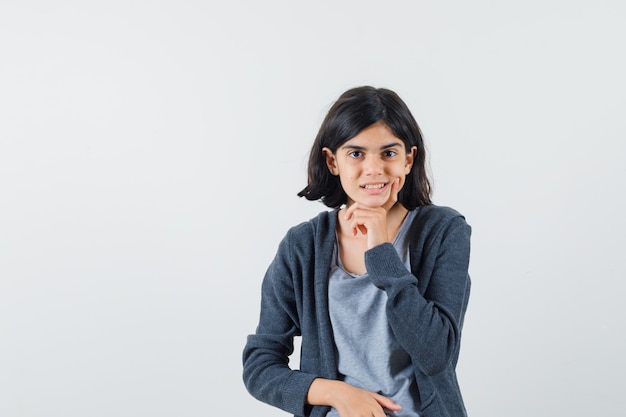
(427, 326)
(266, 371)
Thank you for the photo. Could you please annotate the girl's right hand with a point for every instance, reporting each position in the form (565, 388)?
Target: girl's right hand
(372, 221)
(348, 400)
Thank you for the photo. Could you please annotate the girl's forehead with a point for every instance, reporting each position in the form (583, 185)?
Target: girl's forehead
(375, 136)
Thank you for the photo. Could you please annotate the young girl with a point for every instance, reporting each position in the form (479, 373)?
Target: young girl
(377, 288)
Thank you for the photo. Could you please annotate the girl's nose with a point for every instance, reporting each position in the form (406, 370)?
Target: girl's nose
(373, 166)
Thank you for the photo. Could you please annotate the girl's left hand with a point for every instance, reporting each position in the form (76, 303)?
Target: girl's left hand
(372, 221)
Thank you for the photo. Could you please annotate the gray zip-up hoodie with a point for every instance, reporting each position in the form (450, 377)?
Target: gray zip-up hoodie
(425, 310)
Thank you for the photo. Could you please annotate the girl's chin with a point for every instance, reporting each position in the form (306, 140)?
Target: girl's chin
(368, 202)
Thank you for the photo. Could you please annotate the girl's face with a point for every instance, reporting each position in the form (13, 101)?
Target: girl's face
(368, 164)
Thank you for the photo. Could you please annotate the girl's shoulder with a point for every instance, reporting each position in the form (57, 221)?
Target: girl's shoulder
(322, 220)
(434, 217)
(435, 212)
(319, 226)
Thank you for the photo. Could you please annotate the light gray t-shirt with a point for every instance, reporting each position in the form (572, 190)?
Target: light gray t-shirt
(369, 355)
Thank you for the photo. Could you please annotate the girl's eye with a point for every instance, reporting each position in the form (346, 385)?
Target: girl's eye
(355, 154)
(390, 154)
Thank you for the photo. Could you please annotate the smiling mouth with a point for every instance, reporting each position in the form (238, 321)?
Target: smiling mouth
(373, 186)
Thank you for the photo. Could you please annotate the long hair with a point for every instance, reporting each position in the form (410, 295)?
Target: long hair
(355, 110)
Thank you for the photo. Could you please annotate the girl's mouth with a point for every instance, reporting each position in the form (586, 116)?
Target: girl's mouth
(374, 186)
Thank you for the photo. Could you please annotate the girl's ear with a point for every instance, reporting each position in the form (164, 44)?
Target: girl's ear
(331, 161)
(410, 157)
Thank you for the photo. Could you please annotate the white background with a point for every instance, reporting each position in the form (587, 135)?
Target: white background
(151, 152)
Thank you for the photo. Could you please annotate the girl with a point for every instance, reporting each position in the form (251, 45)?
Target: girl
(377, 288)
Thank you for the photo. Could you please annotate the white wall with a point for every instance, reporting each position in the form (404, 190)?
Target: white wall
(151, 152)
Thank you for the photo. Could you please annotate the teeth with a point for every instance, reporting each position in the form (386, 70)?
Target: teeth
(373, 186)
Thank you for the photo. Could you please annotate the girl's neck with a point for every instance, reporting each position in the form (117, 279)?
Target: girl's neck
(395, 217)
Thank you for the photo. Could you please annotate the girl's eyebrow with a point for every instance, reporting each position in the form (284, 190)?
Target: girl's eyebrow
(363, 148)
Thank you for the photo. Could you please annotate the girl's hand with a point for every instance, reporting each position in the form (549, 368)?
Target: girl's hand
(348, 400)
(372, 221)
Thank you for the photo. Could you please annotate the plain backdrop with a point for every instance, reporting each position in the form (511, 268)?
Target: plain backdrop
(151, 152)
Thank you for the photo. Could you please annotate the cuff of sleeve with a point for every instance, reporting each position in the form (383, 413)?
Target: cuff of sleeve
(296, 391)
(385, 267)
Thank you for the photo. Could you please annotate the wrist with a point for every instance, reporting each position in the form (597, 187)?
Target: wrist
(323, 392)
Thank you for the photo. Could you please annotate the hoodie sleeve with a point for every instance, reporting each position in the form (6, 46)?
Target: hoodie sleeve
(426, 319)
(266, 372)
